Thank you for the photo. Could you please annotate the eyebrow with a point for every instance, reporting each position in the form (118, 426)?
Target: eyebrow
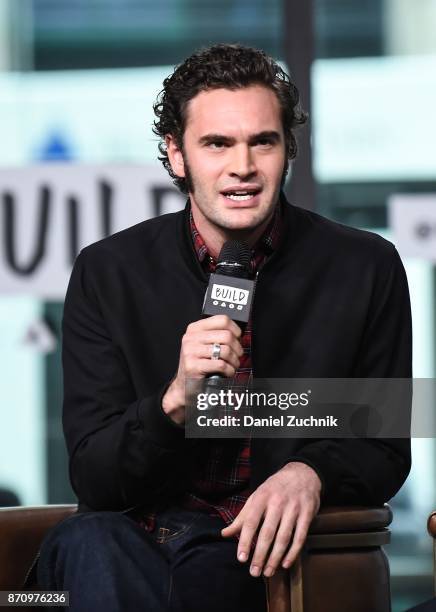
(267, 134)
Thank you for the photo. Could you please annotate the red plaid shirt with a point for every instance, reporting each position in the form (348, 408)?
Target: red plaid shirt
(220, 482)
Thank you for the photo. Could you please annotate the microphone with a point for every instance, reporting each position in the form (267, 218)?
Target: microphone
(234, 259)
(230, 290)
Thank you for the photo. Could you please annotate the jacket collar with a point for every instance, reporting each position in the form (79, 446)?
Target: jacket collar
(189, 254)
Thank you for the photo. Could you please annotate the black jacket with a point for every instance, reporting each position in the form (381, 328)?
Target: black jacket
(332, 301)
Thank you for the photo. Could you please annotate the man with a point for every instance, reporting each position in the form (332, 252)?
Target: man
(177, 524)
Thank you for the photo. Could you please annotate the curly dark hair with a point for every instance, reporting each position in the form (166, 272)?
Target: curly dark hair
(229, 66)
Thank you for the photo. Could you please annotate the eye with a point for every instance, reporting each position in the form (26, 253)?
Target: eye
(264, 142)
(216, 144)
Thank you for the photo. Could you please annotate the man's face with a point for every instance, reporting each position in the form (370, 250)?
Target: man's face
(233, 157)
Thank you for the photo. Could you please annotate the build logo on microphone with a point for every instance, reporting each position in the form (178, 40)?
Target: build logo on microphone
(229, 295)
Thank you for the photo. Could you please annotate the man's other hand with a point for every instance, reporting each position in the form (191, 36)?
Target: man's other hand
(195, 358)
(286, 503)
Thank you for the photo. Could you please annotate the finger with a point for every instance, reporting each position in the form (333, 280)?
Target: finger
(264, 540)
(194, 350)
(216, 322)
(211, 366)
(281, 544)
(249, 528)
(227, 353)
(220, 336)
(202, 346)
(301, 529)
(233, 529)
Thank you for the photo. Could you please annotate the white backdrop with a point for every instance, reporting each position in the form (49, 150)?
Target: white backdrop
(412, 218)
(37, 250)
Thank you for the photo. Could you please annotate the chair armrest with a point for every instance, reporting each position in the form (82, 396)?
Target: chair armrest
(351, 519)
(334, 528)
(431, 524)
(22, 530)
(431, 528)
(348, 527)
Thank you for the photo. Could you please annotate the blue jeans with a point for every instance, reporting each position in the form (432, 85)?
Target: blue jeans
(109, 563)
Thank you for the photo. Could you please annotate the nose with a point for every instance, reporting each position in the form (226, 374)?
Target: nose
(242, 164)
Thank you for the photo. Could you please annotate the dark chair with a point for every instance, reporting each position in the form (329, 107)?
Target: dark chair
(341, 569)
(431, 527)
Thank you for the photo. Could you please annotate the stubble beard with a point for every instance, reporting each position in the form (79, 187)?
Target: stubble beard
(214, 216)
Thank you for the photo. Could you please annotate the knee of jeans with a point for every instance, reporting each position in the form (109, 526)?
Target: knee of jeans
(84, 530)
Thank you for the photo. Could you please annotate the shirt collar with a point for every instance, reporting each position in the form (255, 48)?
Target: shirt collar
(263, 248)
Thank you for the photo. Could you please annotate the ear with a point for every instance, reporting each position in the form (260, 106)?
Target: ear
(175, 156)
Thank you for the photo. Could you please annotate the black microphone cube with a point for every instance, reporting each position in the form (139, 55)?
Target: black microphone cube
(229, 295)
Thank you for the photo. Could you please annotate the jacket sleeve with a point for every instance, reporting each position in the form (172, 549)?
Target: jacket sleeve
(371, 471)
(122, 449)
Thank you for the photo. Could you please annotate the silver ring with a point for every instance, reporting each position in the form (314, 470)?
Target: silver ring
(216, 350)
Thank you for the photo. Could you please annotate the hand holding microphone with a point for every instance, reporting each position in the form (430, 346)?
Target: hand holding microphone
(211, 346)
(196, 358)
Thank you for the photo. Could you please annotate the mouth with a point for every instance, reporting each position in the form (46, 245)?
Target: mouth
(241, 195)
